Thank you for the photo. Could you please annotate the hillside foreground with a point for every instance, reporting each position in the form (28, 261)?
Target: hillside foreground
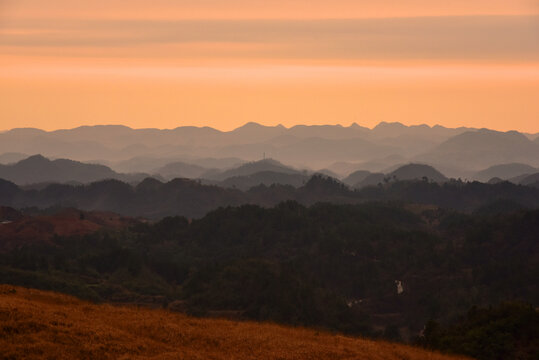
(39, 324)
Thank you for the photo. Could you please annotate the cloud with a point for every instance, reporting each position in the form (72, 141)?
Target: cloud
(257, 9)
(468, 37)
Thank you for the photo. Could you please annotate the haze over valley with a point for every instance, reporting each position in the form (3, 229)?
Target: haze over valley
(207, 153)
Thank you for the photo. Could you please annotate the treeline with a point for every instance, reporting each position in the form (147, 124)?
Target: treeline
(154, 199)
(377, 269)
(507, 331)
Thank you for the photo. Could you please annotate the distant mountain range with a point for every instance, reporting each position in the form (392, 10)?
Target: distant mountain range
(266, 165)
(181, 169)
(38, 169)
(11, 157)
(505, 172)
(460, 152)
(154, 165)
(356, 177)
(480, 149)
(527, 179)
(417, 171)
(266, 178)
(362, 178)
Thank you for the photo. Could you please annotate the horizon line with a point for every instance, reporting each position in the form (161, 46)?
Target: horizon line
(352, 125)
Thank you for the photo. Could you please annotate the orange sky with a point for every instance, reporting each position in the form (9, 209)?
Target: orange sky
(223, 63)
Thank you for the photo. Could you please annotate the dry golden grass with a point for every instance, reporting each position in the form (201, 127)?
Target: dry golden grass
(46, 325)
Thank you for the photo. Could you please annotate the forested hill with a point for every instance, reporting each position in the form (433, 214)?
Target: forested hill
(155, 199)
(371, 269)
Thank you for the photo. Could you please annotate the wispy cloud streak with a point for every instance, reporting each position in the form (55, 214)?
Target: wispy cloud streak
(471, 37)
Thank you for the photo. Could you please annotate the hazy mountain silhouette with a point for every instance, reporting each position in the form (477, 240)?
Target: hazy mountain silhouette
(527, 179)
(38, 169)
(413, 140)
(221, 163)
(457, 152)
(181, 170)
(494, 180)
(362, 178)
(343, 168)
(409, 145)
(504, 171)
(389, 129)
(328, 131)
(119, 136)
(371, 180)
(417, 172)
(483, 148)
(12, 157)
(254, 132)
(267, 178)
(153, 164)
(356, 177)
(137, 164)
(266, 165)
(317, 152)
(374, 165)
(327, 172)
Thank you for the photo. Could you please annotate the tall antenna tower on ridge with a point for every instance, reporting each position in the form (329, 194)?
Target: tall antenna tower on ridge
(264, 156)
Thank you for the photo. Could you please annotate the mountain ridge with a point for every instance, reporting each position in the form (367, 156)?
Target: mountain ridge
(458, 152)
(39, 169)
(504, 171)
(483, 148)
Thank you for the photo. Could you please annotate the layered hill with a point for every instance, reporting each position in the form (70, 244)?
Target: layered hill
(374, 165)
(417, 172)
(180, 169)
(266, 165)
(528, 179)
(11, 157)
(38, 169)
(408, 172)
(461, 150)
(504, 171)
(266, 178)
(483, 148)
(153, 198)
(39, 325)
(356, 177)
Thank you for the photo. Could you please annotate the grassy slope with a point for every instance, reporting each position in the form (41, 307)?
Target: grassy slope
(39, 324)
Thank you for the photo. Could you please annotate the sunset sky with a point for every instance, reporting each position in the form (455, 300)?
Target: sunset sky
(222, 63)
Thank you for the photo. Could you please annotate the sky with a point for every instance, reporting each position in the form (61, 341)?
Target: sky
(170, 63)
